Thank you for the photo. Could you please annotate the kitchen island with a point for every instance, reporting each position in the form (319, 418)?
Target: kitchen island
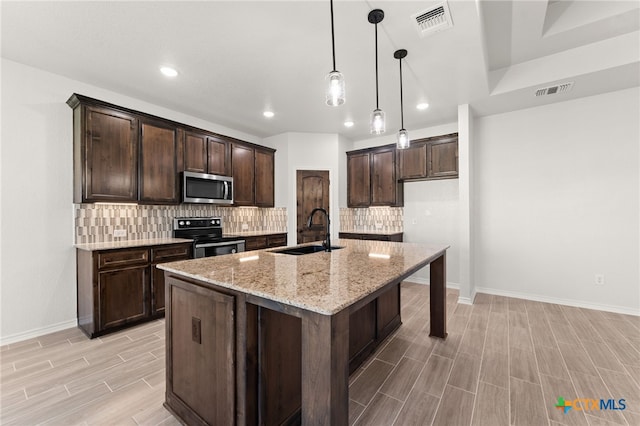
(270, 338)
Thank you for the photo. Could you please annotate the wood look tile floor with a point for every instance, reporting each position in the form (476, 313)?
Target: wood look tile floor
(505, 362)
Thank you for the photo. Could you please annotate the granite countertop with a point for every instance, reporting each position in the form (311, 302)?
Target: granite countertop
(131, 243)
(352, 231)
(320, 282)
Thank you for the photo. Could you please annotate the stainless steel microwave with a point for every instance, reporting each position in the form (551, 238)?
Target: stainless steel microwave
(206, 188)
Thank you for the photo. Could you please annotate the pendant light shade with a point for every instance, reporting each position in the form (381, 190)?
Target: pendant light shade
(378, 125)
(335, 94)
(403, 136)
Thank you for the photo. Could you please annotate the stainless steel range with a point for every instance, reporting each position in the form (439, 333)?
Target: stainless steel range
(206, 233)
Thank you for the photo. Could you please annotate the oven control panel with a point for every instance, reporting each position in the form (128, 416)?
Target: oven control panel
(196, 222)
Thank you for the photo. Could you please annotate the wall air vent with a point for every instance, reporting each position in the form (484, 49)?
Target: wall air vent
(552, 90)
(432, 20)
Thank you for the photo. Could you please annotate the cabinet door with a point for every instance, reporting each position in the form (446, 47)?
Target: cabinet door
(264, 179)
(217, 155)
(110, 156)
(383, 178)
(413, 162)
(124, 296)
(158, 168)
(163, 254)
(442, 157)
(242, 163)
(201, 347)
(195, 152)
(358, 180)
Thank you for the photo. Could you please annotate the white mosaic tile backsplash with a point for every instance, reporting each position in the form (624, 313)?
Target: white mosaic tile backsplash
(372, 219)
(95, 223)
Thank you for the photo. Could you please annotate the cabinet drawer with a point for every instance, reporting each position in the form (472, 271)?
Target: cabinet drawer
(255, 243)
(277, 240)
(175, 251)
(120, 258)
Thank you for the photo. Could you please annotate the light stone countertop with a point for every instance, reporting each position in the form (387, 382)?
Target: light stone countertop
(131, 243)
(320, 282)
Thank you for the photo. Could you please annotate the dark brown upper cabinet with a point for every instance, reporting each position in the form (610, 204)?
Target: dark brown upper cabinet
(122, 155)
(105, 154)
(195, 152)
(358, 180)
(442, 158)
(217, 156)
(372, 178)
(264, 175)
(243, 172)
(430, 158)
(158, 162)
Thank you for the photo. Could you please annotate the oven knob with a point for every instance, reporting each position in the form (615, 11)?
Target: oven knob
(213, 222)
(234, 251)
(181, 223)
(188, 223)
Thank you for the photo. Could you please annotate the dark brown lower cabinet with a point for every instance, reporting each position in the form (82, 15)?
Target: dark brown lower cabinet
(122, 287)
(275, 367)
(203, 347)
(396, 236)
(259, 242)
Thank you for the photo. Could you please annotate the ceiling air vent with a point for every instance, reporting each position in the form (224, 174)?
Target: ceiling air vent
(432, 20)
(552, 90)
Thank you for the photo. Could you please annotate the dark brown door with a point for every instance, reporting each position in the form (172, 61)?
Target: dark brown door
(111, 155)
(195, 152)
(443, 158)
(124, 295)
(264, 179)
(217, 155)
(243, 169)
(158, 165)
(383, 178)
(413, 161)
(358, 180)
(312, 190)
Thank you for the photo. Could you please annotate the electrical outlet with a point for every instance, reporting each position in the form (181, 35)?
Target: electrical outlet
(378, 225)
(119, 233)
(245, 227)
(599, 279)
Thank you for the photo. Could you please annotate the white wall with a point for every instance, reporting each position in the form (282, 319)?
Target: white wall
(37, 279)
(557, 194)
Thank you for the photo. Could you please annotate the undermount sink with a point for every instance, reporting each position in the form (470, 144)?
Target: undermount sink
(300, 250)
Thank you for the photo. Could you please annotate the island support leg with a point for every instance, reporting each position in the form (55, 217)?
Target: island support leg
(438, 296)
(325, 369)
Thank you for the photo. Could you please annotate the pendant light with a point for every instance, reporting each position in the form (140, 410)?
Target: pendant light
(377, 116)
(403, 135)
(335, 95)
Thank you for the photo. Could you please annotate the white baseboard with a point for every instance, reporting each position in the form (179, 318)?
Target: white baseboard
(558, 301)
(37, 332)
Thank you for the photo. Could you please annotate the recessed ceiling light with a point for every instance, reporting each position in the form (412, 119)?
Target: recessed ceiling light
(422, 106)
(168, 71)
(348, 124)
(268, 114)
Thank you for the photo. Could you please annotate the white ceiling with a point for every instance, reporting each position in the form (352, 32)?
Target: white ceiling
(238, 58)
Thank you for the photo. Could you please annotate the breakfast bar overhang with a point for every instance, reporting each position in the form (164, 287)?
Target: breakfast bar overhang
(234, 322)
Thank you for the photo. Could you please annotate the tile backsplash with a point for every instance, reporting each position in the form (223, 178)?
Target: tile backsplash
(96, 223)
(372, 219)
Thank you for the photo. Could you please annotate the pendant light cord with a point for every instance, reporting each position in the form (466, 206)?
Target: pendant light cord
(401, 107)
(377, 67)
(333, 42)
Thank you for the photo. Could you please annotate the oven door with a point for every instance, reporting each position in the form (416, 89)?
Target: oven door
(218, 249)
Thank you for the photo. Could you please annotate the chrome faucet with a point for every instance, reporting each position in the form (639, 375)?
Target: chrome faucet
(327, 242)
